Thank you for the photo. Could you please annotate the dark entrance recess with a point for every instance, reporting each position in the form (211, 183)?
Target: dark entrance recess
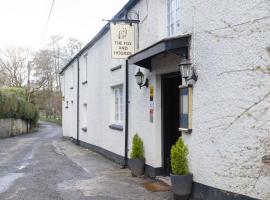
(170, 115)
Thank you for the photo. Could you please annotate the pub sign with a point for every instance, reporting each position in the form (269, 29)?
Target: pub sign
(122, 40)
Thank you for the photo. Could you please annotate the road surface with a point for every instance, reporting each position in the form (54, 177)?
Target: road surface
(45, 166)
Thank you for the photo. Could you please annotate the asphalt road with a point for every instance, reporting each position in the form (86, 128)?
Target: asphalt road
(45, 166)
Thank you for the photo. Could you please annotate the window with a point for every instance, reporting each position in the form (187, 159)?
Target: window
(62, 78)
(84, 72)
(84, 118)
(72, 77)
(173, 17)
(118, 105)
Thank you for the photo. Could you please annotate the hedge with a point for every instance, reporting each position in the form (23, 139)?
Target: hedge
(13, 104)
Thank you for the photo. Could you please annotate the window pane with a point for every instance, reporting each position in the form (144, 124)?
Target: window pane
(85, 68)
(173, 16)
(116, 104)
(119, 105)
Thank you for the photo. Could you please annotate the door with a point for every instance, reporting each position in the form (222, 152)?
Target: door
(170, 115)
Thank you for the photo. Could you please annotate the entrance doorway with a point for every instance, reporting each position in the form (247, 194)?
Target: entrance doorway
(170, 115)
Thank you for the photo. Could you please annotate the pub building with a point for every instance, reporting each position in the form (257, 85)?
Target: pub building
(182, 68)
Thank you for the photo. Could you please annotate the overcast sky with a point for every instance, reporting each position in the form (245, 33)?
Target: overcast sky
(22, 22)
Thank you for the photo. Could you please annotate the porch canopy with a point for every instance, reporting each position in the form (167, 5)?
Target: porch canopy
(176, 45)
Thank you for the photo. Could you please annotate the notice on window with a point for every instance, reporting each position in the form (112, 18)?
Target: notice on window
(122, 39)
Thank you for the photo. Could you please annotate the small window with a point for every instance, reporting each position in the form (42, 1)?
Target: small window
(62, 78)
(85, 66)
(72, 77)
(84, 117)
(118, 105)
(173, 17)
(185, 108)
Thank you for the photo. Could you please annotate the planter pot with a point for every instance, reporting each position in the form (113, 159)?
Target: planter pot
(137, 166)
(182, 186)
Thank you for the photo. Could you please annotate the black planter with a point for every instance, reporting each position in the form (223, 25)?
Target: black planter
(182, 186)
(137, 166)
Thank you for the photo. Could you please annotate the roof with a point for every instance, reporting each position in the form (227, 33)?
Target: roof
(178, 45)
(130, 4)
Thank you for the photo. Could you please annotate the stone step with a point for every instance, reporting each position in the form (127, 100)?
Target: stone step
(164, 179)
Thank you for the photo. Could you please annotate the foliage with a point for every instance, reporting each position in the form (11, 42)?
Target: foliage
(19, 92)
(179, 161)
(52, 120)
(137, 147)
(13, 104)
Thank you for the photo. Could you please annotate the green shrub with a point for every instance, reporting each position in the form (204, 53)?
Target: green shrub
(137, 151)
(179, 161)
(19, 92)
(13, 104)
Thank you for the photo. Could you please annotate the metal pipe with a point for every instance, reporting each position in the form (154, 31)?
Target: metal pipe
(126, 118)
(78, 101)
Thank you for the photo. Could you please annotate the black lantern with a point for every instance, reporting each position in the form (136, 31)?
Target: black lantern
(187, 72)
(140, 79)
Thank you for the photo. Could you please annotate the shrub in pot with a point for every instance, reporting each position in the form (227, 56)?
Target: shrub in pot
(137, 160)
(181, 178)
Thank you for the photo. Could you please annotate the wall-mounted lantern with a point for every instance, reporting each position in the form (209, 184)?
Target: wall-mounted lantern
(188, 72)
(140, 79)
(186, 94)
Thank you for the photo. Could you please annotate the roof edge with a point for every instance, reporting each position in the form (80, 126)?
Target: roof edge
(130, 4)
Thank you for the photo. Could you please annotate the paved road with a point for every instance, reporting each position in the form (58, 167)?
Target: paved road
(44, 166)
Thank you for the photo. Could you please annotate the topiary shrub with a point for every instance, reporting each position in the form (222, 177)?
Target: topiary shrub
(179, 161)
(137, 151)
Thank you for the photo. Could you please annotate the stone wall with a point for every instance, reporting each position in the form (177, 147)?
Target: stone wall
(12, 127)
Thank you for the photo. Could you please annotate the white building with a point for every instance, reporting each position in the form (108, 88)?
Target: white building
(227, 43)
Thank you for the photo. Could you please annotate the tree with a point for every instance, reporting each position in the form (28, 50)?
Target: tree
(13, 66)
(72, 47)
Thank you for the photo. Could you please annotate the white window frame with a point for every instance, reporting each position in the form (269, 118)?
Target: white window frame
(85, 66)
(73, 76)
(84, 117)
(118, 104)
(173, 17)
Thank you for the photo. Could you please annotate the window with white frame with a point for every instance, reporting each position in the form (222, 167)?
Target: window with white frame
(118, 105)
(173, 17)
(84, 117)
(72, 76)
(85, 65)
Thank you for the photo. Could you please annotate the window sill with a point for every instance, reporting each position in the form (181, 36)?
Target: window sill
(116, 68)
(85, 82)
(84, 129)
(116, 127)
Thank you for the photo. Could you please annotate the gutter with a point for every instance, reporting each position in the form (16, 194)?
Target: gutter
(78, 101)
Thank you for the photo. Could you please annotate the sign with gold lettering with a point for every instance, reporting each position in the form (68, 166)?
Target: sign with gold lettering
(122, 39)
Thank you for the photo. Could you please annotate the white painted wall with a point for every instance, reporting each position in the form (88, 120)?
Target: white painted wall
(230, 135)
(97, 93)
(69, 118)
(231, 100)
(228, 45)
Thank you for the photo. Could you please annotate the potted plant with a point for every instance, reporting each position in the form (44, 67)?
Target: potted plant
(181, 178)
(137, 160)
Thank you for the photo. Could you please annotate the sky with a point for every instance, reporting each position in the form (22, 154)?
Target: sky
(22, 22)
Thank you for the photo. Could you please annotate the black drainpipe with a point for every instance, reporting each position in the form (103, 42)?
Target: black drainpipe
(78, 101)
(126, 118)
